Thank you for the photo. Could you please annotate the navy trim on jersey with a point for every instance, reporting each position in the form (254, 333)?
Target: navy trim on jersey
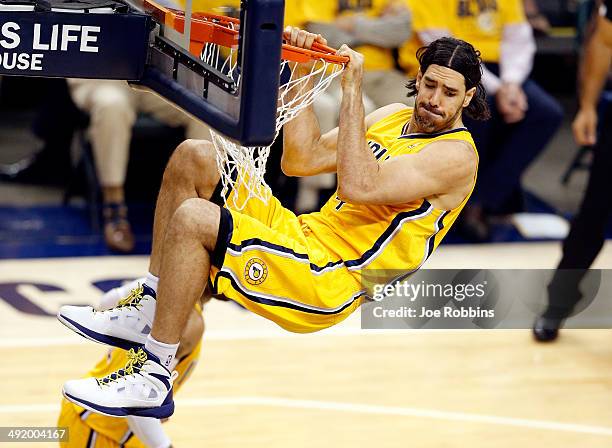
(381, 240)
(432, 239)
(430, 244)
(435, 134)
(91, 440)
(278, 301)
(395, 223)
(126, 437)
(224, 236)
(262, 243)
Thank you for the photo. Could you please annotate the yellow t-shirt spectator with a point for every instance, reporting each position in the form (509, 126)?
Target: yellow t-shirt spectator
(300, 12)
(479, 22)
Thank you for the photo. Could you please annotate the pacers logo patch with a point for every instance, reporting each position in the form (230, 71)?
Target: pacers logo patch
(255, 271)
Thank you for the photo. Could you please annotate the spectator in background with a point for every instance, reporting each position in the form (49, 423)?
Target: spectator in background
(113, 107)
(538, 21)
(587, 233)
(374, 28)
(524, 117)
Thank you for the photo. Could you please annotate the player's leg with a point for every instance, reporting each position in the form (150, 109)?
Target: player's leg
(191, 173)
(191, 334)
(189, 241)
(144, 387)
(149, 431)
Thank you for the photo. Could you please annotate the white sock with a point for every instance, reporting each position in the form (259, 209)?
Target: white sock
(165, 352)
(151, 281)
(111, 298)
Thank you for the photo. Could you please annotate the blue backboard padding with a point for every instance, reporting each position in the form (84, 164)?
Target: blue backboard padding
(116, 51)
(261, 57)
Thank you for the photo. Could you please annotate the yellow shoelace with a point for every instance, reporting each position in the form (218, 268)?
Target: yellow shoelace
(133, 298)
(136, 359)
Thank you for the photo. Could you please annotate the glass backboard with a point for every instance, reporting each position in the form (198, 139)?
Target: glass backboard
(238, 99)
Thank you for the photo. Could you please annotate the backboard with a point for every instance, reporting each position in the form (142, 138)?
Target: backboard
(152, 44)
(240, 103)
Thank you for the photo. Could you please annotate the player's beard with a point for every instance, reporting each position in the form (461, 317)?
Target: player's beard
(431, 124)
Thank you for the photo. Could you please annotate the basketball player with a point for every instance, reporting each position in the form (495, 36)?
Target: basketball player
(403, 177)
(91, 430)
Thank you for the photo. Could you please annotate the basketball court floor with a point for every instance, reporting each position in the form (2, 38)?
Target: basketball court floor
(259, 386)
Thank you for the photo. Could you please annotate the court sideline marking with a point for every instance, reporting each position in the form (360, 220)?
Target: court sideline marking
(359, 408)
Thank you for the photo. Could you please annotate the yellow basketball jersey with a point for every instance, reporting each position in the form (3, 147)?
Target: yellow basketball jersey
(386, 237)
(114, 428)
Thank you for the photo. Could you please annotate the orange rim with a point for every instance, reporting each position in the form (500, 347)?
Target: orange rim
(214, 28)
(297, 54)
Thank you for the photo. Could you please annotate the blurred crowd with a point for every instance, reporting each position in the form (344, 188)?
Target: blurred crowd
(525, 117)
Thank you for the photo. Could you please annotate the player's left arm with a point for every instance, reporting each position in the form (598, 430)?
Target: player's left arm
(440, 168)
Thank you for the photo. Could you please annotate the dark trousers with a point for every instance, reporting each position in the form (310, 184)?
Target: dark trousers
(587, 233)
(506, 150)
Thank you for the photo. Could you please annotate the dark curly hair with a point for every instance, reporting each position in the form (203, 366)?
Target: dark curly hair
(461, 57)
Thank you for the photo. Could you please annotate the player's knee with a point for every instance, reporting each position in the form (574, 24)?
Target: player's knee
(187, 216)
(196, 218)
(194, 160)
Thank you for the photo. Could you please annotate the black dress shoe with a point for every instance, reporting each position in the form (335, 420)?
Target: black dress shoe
(546, 329)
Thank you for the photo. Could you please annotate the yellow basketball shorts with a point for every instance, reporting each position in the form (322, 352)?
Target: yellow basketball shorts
(274, 266)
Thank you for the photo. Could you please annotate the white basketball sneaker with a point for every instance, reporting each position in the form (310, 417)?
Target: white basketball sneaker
(142, 388)
(125, 326)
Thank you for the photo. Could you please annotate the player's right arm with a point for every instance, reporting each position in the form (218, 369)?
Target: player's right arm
(593, 74)
(307, 152)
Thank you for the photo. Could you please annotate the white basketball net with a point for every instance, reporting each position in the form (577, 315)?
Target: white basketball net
(246, 166)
